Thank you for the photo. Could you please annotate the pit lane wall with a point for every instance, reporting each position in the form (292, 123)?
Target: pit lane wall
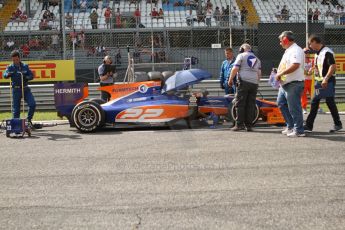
(44, 94)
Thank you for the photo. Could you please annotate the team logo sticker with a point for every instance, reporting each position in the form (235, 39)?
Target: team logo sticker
(251, 61)
(143, 88)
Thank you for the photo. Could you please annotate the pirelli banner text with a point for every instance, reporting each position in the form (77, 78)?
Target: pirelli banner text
(46, 71)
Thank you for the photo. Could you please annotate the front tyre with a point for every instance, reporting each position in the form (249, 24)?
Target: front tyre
(88, 116)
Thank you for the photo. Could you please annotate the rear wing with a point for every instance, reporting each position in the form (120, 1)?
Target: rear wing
(67, 95)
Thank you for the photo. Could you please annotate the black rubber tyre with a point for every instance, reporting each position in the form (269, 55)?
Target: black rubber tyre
(88, 116)
(256, 118)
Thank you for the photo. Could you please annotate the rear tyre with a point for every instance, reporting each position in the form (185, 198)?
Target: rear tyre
(88, 116)
(256, 117)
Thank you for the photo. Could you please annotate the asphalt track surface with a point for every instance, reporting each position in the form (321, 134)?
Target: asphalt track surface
(173, 179)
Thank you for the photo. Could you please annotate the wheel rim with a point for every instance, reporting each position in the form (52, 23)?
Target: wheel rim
(87, 117)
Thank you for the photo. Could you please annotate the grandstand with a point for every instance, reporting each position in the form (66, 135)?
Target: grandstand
(173, 16)
(177, 38)
(267, 10)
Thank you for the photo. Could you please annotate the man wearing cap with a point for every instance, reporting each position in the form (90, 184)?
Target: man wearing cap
(106, 78)
(247, 67)
(291, 77)
(324, 70)
(19, 71)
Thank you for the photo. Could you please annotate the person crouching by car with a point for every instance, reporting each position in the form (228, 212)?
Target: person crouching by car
(106, 78)
(247, 67)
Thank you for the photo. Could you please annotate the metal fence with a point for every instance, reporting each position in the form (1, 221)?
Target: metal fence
(167, 38)
(44, 94)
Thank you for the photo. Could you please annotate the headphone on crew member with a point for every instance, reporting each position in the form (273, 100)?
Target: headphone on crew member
(287, 36)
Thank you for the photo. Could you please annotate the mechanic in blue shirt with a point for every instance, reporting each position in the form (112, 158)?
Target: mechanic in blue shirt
(226, 70)
(14, 71)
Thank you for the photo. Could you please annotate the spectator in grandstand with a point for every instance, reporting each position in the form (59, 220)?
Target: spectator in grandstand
(285, 13)
(100, 50)
(291, 76)
(342, 16)
(94, 19)
(18, 12)
(9, 45)
(55, 41)
(209, 4)
(225, 71)
(247, 68)
(94, 4)
(23, 17)
(133, 2)
(137, 16)
(81, 39)
(189, 17)
(244, 14)
(107, 16)
(124, 23)
(325, 67)
(13, 17)
(118, 22)
(73, 35)
(329, 12)
(161, 56)
(106, 78)
(337, 15)
(74, 4)
(154, 13)
(25, 50)
(217, 14)
(225, 15)
(100, 4)
(91, 51)
(35, 44)
(236, 14)
(335, 3)
(43, 24)
(178, 3)
(208, 16)
(325, 2)
(54, 2)
(316, 15)
(45, 4)
(83, 6)
(186, 4)
(278, 14)
(118, 57)
(310, 15)
(69, 19)
(200, 16)
(160, 14)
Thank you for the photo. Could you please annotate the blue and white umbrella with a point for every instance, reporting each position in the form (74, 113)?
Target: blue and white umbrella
(185, 78)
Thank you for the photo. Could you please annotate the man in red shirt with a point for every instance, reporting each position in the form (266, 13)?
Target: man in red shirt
(107, 15)
(154, 13)
(26, 50)
(137, 16)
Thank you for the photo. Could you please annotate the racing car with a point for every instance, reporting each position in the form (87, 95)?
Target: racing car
(156, 98)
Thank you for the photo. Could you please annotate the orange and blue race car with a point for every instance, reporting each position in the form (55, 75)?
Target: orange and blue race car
(149, 102)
